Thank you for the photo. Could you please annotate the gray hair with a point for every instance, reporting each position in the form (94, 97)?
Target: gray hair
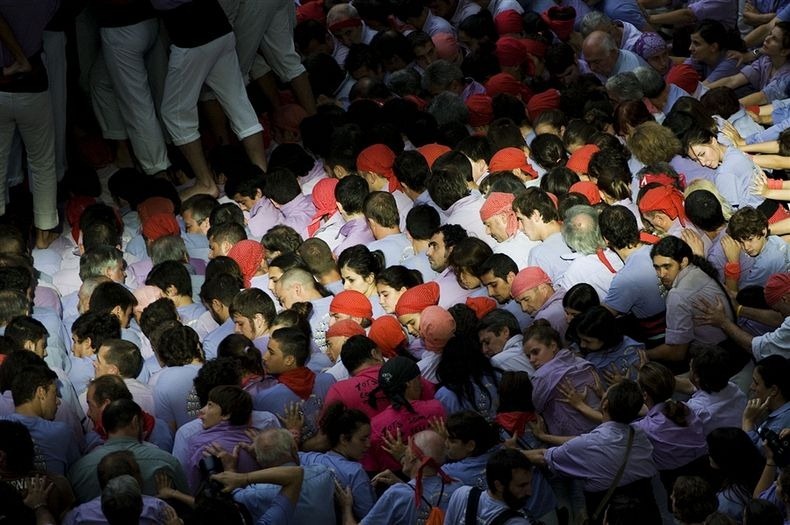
(594, 21)
(98, 260)
(448, 108)
(122, 501)
(440, 75)
(651, 81)
(341, 12)
(624, 87)
(404, 82)
(583, 235)
(274, 447)
(169, 248)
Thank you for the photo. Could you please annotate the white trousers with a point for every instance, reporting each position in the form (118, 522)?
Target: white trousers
(31, 114)
(135, 61)
(217, 65)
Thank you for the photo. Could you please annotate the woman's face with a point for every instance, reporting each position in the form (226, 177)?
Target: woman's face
(708, 155)
(539, 353)
(772, 45)
(411, 322)
(660, 62)
(358, 443)
(467, 280)
(701, 51)
(353, 281)
(590, 344)
(388, 296)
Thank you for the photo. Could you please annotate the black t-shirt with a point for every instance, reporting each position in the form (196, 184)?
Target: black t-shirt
(110, 13)
(196, 23)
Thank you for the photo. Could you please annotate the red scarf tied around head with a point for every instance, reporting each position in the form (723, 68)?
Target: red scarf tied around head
(299, 380)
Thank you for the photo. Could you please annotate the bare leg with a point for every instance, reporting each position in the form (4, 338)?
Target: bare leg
(218, 122)
(123, 154)
(253, 145)
(204, 183)
(268, 84)
(304, 93)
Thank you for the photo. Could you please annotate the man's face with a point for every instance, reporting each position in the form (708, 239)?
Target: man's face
(348, 36)
(667, 269)
(492, 343)
(569, 76)
(275, 274)
(285, 293)
(601, 61)
(425, 55)
(193, 226)
(498, 288)
(94, 409)
(246, 203)
(532, 300)
(244, 326)
(49, 405)
(518, 490)
(124, 315)
(496, 227)
(437, 253)
(217, 249)
(118, 272)
(753, 245)
(274, 360)
(40, 347)
(101, 365)
(529, 225)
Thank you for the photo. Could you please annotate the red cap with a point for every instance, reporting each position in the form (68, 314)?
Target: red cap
(154, 205)
(481, 305)
(510, 51)
(580, 159)
(508, 21)
(506, 83)
(312, 10)
(431, 152)
(587, 188)
(684, 76)
(437, 326)
(665, 199)
(481, 110)
(776, 287)
(323, 197)
(508, 159)
(545, 101)
(378, 159)
(351, 303)
(416, 299)
(345, 328)
(560, 20)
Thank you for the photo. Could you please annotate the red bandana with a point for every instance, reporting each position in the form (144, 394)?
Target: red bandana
(299, 380)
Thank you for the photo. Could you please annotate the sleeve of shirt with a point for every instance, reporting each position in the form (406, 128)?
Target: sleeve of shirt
(456, 508)
(776, 342)
(784, 13)
(776, 88)
(364, 497)
(680, 322)
(280, 512)
(449, 400)
(569, 459)
(619, 295)
(387, 508)
(771, 133)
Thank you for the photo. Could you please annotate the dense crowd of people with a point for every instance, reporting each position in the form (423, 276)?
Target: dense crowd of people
(393, 262)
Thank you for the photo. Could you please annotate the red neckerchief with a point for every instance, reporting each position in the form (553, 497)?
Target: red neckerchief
(424, 462)
(148, 426)
(299, 380)
(515, 422)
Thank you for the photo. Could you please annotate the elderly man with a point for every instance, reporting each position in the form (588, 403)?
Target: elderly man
(347, 26)
(533, 290)
(502, 224)
(605, 58)
(661, 94)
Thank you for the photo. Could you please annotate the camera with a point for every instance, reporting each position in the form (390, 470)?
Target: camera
(778, 445)
(209, 466)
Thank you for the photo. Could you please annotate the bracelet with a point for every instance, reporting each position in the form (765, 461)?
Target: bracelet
(756, 52)
(38, 506)
(770, 464)
(732, 271)
(738, 310)
(774, 184)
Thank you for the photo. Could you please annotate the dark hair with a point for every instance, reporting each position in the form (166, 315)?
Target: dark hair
(762, 512)
(227, 213)
(281, 186)
(619, 227)
(721, 101)
(241, 349)
(361, 260)
(502, 463)
(216, 372)
(18, 446)
(422, 221)
(542, 332)
(125, 355)
(447, 186)
(658, 382)
(350, 193)
(463, 367)
(578, 132)
(356, 351)
(504, 133)
(251, 302)
(533, 200)
(704, 210)
(119, 414)
(775, 371)
(676, 249)
(13, 365)
(398, 277)
(224, 287)
(497, 320)
(694, 499)
(30, 378)
(233, 402)
(548, 151)
(223, 264)
(452, 234)
(581, 297)
(630, 113)
(515, 392)
(155, 314)
(499, 264)
(106, 296)
(746, 223)
(281, 238)
(738, 460)
(411, 168)
(338, 421)
(714, 32)
(179, 346)
(24, 328)
(171, 273)
(293, 342)
(109, 388)
(710, 365)
(624, 401)
(468, 425)
(469, 255)
(624, 510)
(600, 323)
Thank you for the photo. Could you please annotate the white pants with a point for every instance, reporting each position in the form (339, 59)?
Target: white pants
(105, 102)
(217, 65)
(275, 40)
(31, 114)
(55, 62)
(130, 53)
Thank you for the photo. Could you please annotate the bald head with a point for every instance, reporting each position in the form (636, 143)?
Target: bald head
(432, 445)
(601, 52)
(294, 286)
(275, 447)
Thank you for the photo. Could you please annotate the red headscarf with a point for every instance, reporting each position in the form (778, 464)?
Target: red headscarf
(154, 205)
(433, 151)
(549, 99)
(74, 208)
(351, 303)
(506, 83)
(511, 158)
(665, 199)
(437, 326)
(481, 305)
(388, 335)
(160, 225)
(299, 380)
(579, 160)
(508, 21)
(500, 202)
(446, 46)
(345, 328)
(776, 287)
(416, 299)
(248, 255)
(481, 110)
(684, 76)
(510, 51)
(323, 197)
(587, 188)
(560, 20)
(527, 279)
(313, 10)
(379, 159)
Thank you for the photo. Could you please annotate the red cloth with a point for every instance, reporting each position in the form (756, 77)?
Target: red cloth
(311, 11)
(780, 214)
(416, 299)
(388, 335)
(351, 303)
(508, 21)
(684, 76)
(499, 202)
(587, 188)
(510, 51)
(508, 159)
(431, 152)
(248, 254)
(425, 461)
(535, 48)
(154, 205)
(421, 104)
(288, 117)
(74, 208)
(506, 83)
(323, 197)
(343, 24)
(665, 179)
(481, 305)
(549, 99)
(579, 160)
(560, 20)
(481, 110)
(345, 328)
(437, 326)
(446, 46)
(160, 225)
(514, 423)
(378, 159)
(777, 286)
(527, 279)
(665, 199)
(299, 380)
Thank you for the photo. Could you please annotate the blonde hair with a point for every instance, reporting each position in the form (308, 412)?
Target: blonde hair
(652, 143)
(704, 184)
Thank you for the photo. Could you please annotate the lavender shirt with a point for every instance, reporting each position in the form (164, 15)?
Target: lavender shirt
(718, 409)
(174, 394)
(548, 255)
(276, 398)
(595, 457)
(90, 513)
(466, 213)
(227, 436)
(673, 445)
(635, 288)
(450, 292)
(553, 312)
(356, 231)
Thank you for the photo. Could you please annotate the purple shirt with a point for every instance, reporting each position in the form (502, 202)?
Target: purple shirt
(725, 67)
(561, 418)
(27, 21)
(690, 284)
(596, 457)
(90, 513)
(174, 394)
(627, 357)
(673, 445)
(758, 73)
(553, 312)
(450, 292)
(355, 231)
(298, 213)
(718, 409)
(214, 338)
(724, 11)
(276, 398)
(227, 436)
(349, 473)
(263, 215)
